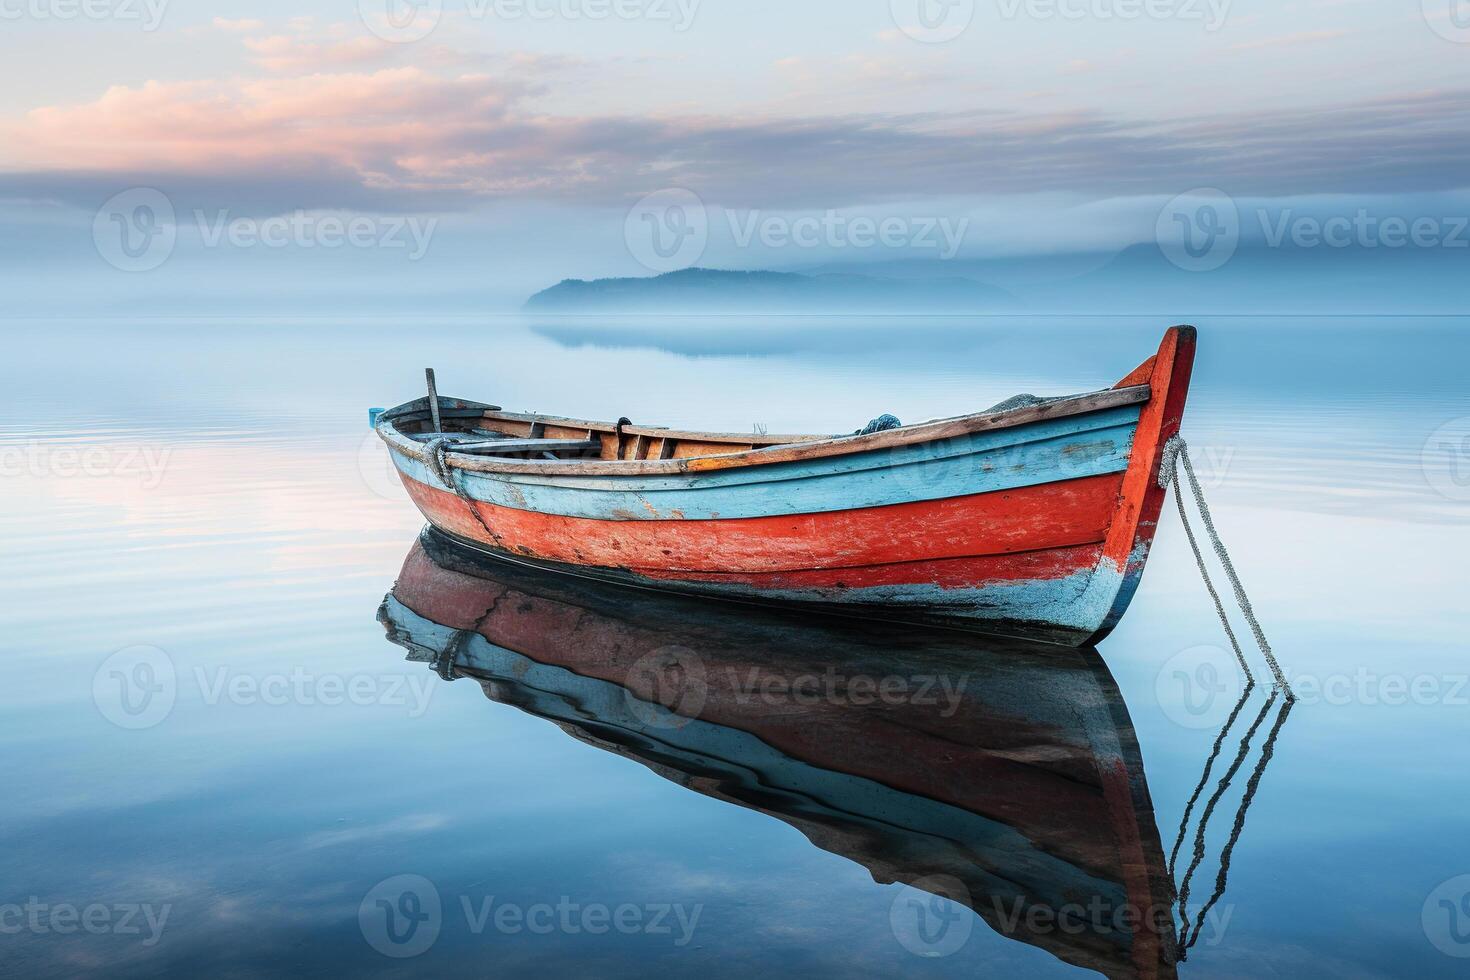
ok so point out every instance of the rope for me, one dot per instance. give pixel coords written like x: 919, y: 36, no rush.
x: 1268, y: 751
x: 446, y: 661
x: 436, y: 457
x: 1176, y: 452
x: 1199, y: 833
x: 1205, y: 776
x: 880, y: 424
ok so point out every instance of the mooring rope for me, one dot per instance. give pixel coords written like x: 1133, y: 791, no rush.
x: 1182, y: 897
x: 1176, y: 452
x: 436, y: 457
x: 1222, y: 877
x: 446, y: 661
x: 1205, y: 776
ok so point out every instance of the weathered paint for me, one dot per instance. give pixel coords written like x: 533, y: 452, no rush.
x: 1034, y: 519
x: 1063, y: 609
x: 982, y: 462
x: 1132, y: 534
x: 1045, y: 525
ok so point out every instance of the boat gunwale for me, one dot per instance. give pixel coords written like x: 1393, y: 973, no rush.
x: 786, y: 449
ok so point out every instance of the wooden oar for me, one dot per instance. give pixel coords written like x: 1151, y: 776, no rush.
x: 433, y: 400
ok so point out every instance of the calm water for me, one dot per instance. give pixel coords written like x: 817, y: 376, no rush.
x: 225, y: 741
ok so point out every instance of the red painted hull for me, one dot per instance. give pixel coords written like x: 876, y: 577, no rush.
x: 1053, y: 519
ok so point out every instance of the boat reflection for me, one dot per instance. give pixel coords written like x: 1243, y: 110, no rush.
x: 997, y: 774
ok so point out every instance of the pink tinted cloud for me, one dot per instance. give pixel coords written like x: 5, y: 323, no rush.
x: 405, y: 132
x: 361, y: 120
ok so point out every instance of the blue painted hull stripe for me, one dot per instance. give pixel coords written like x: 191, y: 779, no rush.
x: 1064, y: 449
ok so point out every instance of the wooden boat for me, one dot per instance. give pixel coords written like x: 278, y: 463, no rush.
x: 1019, y: 791
x: 1034, y: 518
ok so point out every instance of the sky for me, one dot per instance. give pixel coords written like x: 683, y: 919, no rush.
x: 462, y: 154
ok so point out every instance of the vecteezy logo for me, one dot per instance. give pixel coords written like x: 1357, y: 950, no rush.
x: 933, y: 21
x: 931, y: 917
x: 1198, y: 687
x: 401, y: 21
x: 667, y: 230
x: 668, y: 688
x: 1450, y: 19
x: 930, y: 470
x: 376, y: 468
x: 401, y: 917
x: 135, y: 688
x: 135, y: 230
x: 1446, y: 460
x: 1199, y: 230
x: 1446, y: 917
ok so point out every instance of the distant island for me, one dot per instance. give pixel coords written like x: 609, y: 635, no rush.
x: 1136, y: 280
x: 697, y: 291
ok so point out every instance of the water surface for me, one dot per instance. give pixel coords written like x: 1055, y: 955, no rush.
x: 202, y: 497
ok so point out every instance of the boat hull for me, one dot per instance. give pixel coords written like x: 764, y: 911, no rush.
x: 1040, y: 528
x: 944, y: 562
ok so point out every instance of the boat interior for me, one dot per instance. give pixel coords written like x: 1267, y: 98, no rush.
x: 473, y: 429
x: 488, y: 431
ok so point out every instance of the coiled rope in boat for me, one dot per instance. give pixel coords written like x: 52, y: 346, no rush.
x: 1176, y: 456
x: 436, y: 458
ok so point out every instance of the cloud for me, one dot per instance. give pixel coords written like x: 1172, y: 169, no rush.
x: 410, y: 134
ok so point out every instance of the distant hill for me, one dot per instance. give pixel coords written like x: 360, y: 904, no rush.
x: 1136, y: 279
x: 1257, y: 279
x: 697, y: 291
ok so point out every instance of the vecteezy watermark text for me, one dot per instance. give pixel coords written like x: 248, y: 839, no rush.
x: 1212, y: 14
x: 1363, y: 229
x: 304, y: 229
x: 37, y: 917
x: 403, y: 917
x: 407, y: 21
x: 938, y: 21
x: 1201, y: 230
x: 146, y: 464
x: 1100, y: 916
x: 137, y: 688
x: 138, y: 230
x: 860, y: 690
x: 1371, y: 688
x: 678, y: 14
x: 147, y: 13
x: 834, y: 230
x: 670, y: 230
x: 1199, y: 687
x: 670, y: 687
